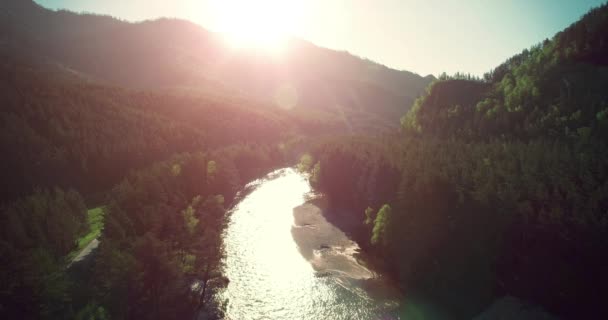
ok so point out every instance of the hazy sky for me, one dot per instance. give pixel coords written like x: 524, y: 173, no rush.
x: 423, y: 36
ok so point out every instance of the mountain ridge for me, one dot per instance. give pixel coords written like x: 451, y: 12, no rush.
x: 187, y: 55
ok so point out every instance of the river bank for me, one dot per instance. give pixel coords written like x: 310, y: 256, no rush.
x: 331, y: 253
x: 324, y: 238
x: 326, y: 247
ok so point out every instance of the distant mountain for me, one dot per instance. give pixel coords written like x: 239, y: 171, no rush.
x: 172, y: 54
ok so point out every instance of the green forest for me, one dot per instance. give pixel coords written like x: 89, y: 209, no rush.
x: 494, y: 185
x: 486, y: 186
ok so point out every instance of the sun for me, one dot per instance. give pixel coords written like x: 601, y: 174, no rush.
x: 261, y: 24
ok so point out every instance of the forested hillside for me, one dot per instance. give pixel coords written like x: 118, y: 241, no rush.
x: 172, y: 54
x: 89, y: 136
x: 494, y: 187
x: 555, y: 89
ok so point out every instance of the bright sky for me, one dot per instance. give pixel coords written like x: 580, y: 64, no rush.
x: 423, y: 36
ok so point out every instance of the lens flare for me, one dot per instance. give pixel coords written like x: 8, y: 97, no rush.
x: 286, y: 96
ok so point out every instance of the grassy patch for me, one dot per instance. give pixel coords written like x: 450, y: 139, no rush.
x: 95, y: 224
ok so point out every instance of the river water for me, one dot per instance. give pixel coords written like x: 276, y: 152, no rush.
x: 269, y: 278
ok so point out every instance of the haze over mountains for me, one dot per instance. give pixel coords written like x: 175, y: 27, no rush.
x: 174, y: 54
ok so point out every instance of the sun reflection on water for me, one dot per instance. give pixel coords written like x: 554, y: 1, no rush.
x: 269, y: 278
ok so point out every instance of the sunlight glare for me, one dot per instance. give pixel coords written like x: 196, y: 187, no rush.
x: 263, y: 24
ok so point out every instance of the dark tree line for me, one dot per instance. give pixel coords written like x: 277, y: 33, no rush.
x: 494, y: 187
x: 163, y: 233
x: 38, y: 231
x: 470, y: 221
x: 160, y: 253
